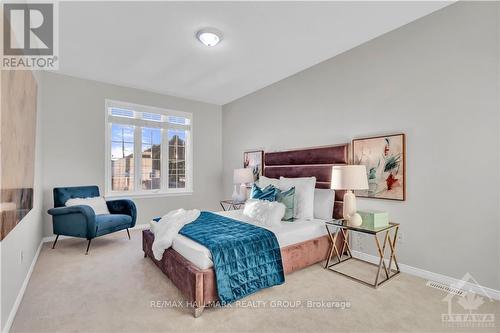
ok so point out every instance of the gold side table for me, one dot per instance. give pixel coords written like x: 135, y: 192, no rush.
x: 231, y: 205
x: 338, y: 257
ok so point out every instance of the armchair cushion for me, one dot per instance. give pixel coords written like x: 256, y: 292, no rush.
x: 107, y: 223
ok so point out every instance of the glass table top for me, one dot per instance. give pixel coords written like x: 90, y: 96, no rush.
x: 342, y: 223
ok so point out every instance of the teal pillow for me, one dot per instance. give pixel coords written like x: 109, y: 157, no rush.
x: 288, y: 199
x: 268, y: 193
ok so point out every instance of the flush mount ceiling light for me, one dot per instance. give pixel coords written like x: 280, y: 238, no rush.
x: 209, y: 36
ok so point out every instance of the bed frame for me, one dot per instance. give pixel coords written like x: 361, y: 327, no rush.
x: 199, y: 285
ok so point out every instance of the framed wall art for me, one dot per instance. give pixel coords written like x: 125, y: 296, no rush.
x: 254, y: 160
x: 385, y: 161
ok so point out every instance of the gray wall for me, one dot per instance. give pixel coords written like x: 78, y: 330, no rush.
x: 436, y: 80
x: 26, y: 236
x: 74, y: 146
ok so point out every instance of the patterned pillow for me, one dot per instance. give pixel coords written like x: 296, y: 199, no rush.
x: 268, y: 193
x: 288, y: 199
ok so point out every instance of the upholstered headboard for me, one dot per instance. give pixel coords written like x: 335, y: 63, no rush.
x: 309, y: 162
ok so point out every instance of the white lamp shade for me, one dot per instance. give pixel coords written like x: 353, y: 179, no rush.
x: 243, y: 176
x: 349, y: 177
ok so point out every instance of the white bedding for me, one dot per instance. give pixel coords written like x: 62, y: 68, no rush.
x: 287, y: 233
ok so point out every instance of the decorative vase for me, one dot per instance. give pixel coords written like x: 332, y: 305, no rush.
x: 349, y: 205
x: 242, y: 195
x: 235, y: 194
x: 355, y: 220
x: 349, y: 212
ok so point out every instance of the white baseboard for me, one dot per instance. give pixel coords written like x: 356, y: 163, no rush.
x: 53, y: 237
x: 141, y: 226
x: 20, y: 295
x: 478, y: 289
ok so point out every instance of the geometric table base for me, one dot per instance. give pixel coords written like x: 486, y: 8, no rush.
x: 339, y: 257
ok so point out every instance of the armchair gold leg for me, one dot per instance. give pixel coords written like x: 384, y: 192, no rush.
x: 128, y: 233
x: 88, y: 246
x: 54, y: 245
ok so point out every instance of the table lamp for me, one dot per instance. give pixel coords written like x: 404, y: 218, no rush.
x: 350, y: 177
x: 241, y: 177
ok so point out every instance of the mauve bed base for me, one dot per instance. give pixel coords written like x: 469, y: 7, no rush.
x: 199, y: 286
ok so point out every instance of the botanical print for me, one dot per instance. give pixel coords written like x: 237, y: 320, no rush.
x: 384, y: 158
x: 253, y: 159
x: 17, y: 147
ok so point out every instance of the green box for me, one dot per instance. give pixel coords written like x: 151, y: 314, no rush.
x: 374, y: 218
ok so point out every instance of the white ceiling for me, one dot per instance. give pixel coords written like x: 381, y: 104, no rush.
x: 152, y: 46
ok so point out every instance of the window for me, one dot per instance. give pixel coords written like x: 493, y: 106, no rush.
x: 149, y: 150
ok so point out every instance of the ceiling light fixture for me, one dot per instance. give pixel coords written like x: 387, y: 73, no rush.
x: 209, y: 36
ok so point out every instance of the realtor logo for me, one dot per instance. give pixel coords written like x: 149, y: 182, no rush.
x: 29, y: 36
x: 32, y: 25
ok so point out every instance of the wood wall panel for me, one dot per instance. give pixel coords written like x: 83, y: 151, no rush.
x: 18, y: 101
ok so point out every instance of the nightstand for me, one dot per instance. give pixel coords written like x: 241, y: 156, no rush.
x: 231, y: 205
x: 335, y: 227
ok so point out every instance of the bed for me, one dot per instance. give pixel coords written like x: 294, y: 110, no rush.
x: 302, y: 243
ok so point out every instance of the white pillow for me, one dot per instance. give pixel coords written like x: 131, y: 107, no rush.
x: 304, y: 194
x: 323, y: 203
x: 265, y: 212
x: 98, y: 204
x: 266, y: 181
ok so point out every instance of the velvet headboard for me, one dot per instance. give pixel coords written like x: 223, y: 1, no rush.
x: 309, y: 162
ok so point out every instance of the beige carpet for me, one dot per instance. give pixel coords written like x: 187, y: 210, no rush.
x: 112, y: 289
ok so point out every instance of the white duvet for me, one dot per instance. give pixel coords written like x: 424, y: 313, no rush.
x: 168, y: 228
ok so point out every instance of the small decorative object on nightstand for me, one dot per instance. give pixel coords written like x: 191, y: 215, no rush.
x: 241, y: 177
x: 231, y: 205
x: 337, y: 254
x: 374, y: 218
x: 350, y: 177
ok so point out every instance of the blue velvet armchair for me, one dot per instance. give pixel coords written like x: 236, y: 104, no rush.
x: 81, y: 221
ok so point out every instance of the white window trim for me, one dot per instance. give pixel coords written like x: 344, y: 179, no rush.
x: 138, y: 192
